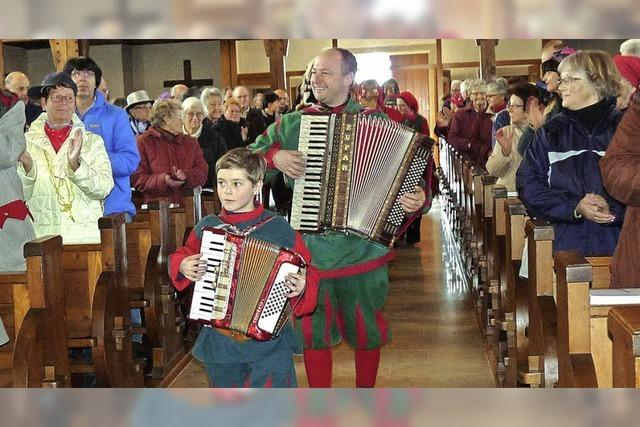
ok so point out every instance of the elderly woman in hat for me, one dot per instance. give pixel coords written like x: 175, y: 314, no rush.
x: 559, y: 178
x: 170, y: 160
x: 139, y: 107
x: 65, y: 170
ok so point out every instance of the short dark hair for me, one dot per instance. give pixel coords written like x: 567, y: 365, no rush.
x: 526, y: 90
x: 269, y: 97
x: 349, y: 63
x: 83, y: 63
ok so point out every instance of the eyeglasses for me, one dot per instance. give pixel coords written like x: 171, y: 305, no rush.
x: 515, y: 105
x: 59, y: 99
x: 492, y: 94
x: 82, y: 73
x: 567, y: 80
x: 142, y: 107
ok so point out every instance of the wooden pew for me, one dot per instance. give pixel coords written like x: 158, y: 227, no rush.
x: 516, y: 315
x: 95, y: 278
x: 210, y: 201
x: 151, y: 290
x: 497, y: 279
x: 32, y: 307
x: 624, y: 329
x: 585, y: 354
x: 542, y: 312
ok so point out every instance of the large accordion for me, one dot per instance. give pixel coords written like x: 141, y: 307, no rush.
x: 357, y: 168
x: 244, y: 287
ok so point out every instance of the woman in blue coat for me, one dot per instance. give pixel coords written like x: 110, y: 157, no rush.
x: 559, y: 178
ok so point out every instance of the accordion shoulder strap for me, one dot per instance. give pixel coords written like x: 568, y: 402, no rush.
x: 244, y: 231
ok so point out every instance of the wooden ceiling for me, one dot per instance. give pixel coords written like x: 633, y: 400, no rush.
x: 44, y: 43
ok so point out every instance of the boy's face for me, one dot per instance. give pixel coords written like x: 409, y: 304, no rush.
x: 236, y: 191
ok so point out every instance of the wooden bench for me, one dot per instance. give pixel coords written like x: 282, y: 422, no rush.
x: 516, y: 313
x: 624, y: 329
x: 150, y: 243
x: 32, y: 308
x: 97, y: 302
x: 541, y: 330
x: 585, y: 353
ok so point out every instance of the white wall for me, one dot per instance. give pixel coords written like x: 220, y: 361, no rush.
x: 15, y: 59
x: 39, y: 64
x: 109, y: 59
x: 153, y: 64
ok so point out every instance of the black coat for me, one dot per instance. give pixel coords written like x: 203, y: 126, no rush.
x: 213, y: 147
x: 230, y: 131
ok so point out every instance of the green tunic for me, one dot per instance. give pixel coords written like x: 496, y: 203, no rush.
x: 350, y: 303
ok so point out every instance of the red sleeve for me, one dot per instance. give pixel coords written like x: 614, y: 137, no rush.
x: 393, y: 114
x: 143, y: 178
x: 306, y: 303
x: 197, y: 175
x: 268, y: 156
x: 192, y: 247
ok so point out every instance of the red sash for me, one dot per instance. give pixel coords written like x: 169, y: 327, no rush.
x: 15, y: 210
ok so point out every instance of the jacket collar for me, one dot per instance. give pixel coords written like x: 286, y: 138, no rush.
x: 37, y: 136
x: 236, y: 218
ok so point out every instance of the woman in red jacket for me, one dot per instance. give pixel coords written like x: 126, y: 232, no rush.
x: 170, y: 161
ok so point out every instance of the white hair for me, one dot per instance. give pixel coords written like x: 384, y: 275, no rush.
x: 208, y: 92
x: 630, y: 48
x: 456, y: 83
x: 191, y: 102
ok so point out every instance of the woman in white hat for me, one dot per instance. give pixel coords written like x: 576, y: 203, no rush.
x: 139, y: 108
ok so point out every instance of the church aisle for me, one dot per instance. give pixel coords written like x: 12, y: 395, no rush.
x: 435, y: 336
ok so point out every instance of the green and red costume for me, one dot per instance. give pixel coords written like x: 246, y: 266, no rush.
x: 353, y: 272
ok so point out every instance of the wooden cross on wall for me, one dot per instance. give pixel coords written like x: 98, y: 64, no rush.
x: 188, y: 81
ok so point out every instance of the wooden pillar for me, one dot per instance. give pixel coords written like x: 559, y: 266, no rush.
x: 433, y: 95
x: 334, y: 43
x: 276, y: 50
x: 487, y: 58
x: 229, y: 63
x: 62, y: 50
x: 1, y: 64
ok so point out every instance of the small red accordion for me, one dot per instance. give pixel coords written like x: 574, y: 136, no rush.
x: 243, y: 289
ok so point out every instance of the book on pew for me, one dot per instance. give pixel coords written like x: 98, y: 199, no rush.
x: 628, y: 296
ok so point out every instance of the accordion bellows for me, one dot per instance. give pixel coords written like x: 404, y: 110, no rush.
x: 357, y: 168
x: 243, y: 289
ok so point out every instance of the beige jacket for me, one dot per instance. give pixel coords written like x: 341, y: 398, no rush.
x: 505, y: 167
x: 62, y: 201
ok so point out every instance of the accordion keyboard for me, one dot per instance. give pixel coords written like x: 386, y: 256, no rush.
x: 208, y: 301
x: 305, y: 210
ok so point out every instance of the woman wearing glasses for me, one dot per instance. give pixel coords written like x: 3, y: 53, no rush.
x: 559, y: 178
x: 170, y: 161
x: 65, y: 170
x: 211, y: 142
x: 505, y: 158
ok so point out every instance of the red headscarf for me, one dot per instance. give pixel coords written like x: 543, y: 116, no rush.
x: 629, y: 67
x: 410, y: 100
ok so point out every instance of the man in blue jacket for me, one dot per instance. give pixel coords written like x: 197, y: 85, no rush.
x: 112, y: 124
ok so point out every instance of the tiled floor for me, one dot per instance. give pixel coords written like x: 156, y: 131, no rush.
x: 436, y: 340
